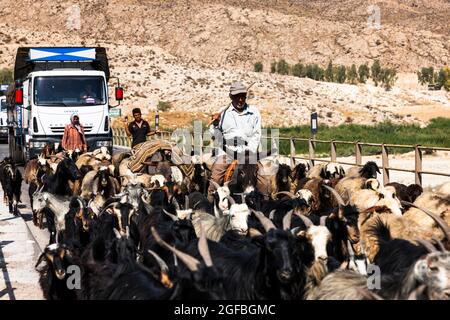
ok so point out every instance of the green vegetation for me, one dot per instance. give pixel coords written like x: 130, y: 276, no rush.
x: 440, y: 79
x: 164, y: 105
x: 6, y: 76
x: 363, y: 73
x: 258, y: 67
x: 338, y: 73
x: 352, y: 74
x: 435, y: 134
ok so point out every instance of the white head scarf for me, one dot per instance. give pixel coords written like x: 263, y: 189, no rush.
x: 78, y: 127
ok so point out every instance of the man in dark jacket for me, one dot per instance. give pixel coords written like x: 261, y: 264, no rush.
x: 139, y: 129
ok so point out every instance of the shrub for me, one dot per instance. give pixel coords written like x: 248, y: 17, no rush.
x: 298, y: 70
x: 341, y: 74
x: 273, y: 67
x: 329, y: 76
x: 258, y: 67
x: 363, y: 73
x: 426, y: 75
x: 282, y: 67
x: 388, y: 78
x: 6, y: 76
x: 164, y: 105
x: 352, y: 75
x: 376, y: 72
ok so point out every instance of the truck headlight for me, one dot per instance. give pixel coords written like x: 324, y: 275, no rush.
x: 106, y: 143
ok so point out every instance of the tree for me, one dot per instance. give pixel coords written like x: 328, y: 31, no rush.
x: 273, y: 67
x: 6, y: 76
x: 164, y: 105
x: 443, y: 78
x: 282, y: 67
x: 352, y: 75
x: 341, y: 74
x: 388, y: 78
x: 376, y: 72
x: 258, y: 67
x: 329, y: 72
x: 298, y: 70
x: 363, y: 73
x: 426, y: 75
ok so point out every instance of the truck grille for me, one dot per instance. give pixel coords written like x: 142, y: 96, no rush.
x: 61, y: 129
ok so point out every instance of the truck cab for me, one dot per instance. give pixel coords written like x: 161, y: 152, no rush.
x: 52, y: 84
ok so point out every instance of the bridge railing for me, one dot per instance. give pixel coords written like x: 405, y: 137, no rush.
x: 200, y: 147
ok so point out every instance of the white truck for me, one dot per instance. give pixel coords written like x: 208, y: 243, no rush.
x: 51, y: 84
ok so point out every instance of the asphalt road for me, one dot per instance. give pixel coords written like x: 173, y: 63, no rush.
x: 21, y: 244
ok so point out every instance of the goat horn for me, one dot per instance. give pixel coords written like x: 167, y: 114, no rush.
x: 288, y: 193
x: 351, y: 253
x: 336, y: 195
x: 272, y: 213
x: 427, y: 244
x: 162, y: 264
x: 186, y: 202
x: 175, y: 203
x: 415, y: 292
x: 441, y: 223
x: 254, y: 232
x: 80, y: 202
x: 308, y: 223
x: 203, y: 248
x: 231, y: 200
x: 323, y: 219
x: 215, y: 184
x: 295, y: 231
x: 440, y: 244
x: 117, y: 233
x: 266, y: 222
x: 190, y: 262
x: 41, y: 258
x: 287, y: 220
x: 172, y: 216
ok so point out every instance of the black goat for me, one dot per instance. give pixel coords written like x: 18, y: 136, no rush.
x: 57, y: 183
x: 369, y: 170
x: 53, y: 276
x: 406, y: 193
x: 11, y: 180
x: 281, y: 181
x: 274, y: 269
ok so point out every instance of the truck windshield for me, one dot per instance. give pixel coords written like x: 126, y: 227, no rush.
x: 69, y: 91
x: 3, y: 104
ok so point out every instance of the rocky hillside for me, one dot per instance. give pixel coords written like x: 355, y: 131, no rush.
x: 187, y: 52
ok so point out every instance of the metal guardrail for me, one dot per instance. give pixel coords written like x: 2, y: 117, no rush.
x: 120, y: 138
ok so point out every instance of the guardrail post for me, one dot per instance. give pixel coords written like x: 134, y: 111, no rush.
x: 292, y: 151
x: 358, y: 153
x: 333, y: 151
x: 418, y: 165
x: 312, y: 151
x: 385, y: 163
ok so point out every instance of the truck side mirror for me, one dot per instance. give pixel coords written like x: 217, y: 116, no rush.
x: 19, y: 96
x: 119, y: 93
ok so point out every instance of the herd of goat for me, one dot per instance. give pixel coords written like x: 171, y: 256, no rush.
x: 155, y: 235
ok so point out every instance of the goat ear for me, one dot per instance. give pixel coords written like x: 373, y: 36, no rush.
x: 45, y: 196
x: 111, y: 169
x: 301, y: 233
